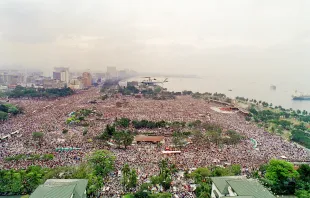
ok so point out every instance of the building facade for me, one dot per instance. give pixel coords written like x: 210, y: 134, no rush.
x: 62, y: 74
x: 87, y: 79
x: 111, y: 72
x: 76, y: 83
x: 53, y: 84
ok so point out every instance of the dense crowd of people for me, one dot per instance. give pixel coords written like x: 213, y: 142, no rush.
x: 49, y: 117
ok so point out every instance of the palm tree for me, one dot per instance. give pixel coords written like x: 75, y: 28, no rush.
x: 125, y: 174
x: 304, y: 112
x: 163, y: 164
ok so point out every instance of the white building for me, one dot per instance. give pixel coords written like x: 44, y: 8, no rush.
x: 76, y: 83
x: 239, y: 187
x: 122, y: 84
x: 62, y: 74
x: 3, y: 88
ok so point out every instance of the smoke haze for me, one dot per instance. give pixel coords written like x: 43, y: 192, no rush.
x: 171, y: 36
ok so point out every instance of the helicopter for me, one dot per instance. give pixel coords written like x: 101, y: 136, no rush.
x: 152, y: 81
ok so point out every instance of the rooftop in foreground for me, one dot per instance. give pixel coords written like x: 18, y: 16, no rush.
x: 238, y: 186
x: 64, y: 188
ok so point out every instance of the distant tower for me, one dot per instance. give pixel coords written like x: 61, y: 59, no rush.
x: 112, y: 72
x: 87, y: 79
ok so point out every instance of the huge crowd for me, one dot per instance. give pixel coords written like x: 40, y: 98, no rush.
x: 49, y: 117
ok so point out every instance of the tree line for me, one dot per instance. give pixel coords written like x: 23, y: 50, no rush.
x: 30, y: 92
x: 280, y: 176
x: 30, y: 157
x: 19, y: 182
x: 140, y: 124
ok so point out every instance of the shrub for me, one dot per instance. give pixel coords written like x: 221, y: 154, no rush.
x: 123, y: 122
x: 37, y: 135
x: 85, y: 130
x: 3, y: 115
x: 64, y: 131
x: 48, y: 157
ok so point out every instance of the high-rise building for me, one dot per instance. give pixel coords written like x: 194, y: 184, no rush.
x: 87, y: 79
x: 112, y: 72
x: 62, y: 74
x: 56, y: 75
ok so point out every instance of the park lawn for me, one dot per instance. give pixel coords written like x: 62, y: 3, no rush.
x: 286, y: 135
x: 292, y: 120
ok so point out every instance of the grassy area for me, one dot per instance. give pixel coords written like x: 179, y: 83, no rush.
x: 289, y: 124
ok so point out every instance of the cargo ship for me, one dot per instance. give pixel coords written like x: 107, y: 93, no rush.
x: 300, y: 96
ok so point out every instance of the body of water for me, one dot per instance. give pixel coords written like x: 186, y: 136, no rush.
x: 246, y: 86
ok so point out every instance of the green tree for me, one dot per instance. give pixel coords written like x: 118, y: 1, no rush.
x: 304, y: 112
x: 3, y: 116
x: 125, y: 175
x: 12, y: 109
x: 102, y: 161
x: 163, y: 165
x: 201, y: 174
x: 235, y: 169
x: 199, y: 138
x: 178, y: 139
x: 4, y: 108
x: 161, y: 195
x: 214, y: 136
x: 123, y: 122
x: 127, y: 138
x: 94, y: 184
x: 220, y: 171
x: 281, y: 176
x: 110, y: 129
x: 81, y: 171
x: 33, y: 178
x: 303, y: 182
x: 155, y: 180
x: 303, y: 193
x: 304, y: 172
x: 133, y: 179
x: 38, y: 137
x: 203, y: 190
x: 118, y: 138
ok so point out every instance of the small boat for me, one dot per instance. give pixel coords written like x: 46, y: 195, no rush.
x: 229, y: 89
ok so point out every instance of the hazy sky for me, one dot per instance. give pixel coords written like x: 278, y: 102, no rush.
x: 196, y: 36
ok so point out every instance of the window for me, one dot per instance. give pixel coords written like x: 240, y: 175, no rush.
x: 216, y: 194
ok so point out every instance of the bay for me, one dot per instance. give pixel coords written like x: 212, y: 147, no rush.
x: 245, y: 86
